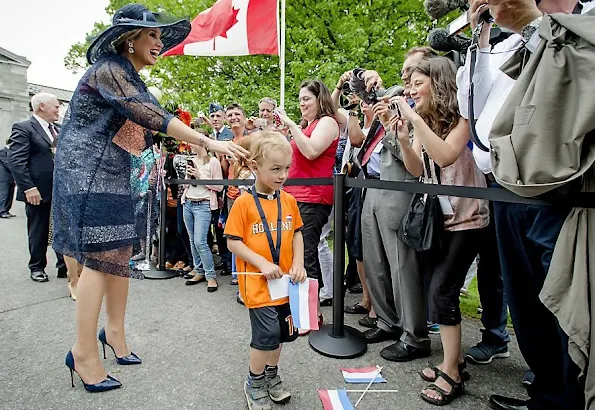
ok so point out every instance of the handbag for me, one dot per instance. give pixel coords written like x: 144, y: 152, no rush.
x: 422, y: 224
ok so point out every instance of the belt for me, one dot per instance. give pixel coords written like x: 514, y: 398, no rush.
x: 371, y: 176
x: 197, y: 200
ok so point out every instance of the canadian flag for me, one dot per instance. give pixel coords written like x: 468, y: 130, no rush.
x: 233, y: 28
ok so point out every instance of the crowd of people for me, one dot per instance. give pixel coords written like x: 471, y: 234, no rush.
x: 419, y: 132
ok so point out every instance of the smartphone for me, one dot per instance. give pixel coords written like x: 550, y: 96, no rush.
x: 190, y: 163
x: 394, y: 110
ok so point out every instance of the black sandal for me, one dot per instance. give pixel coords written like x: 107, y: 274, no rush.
x: 445, y: 397
x: 356, y: 309
x: 465, y: 376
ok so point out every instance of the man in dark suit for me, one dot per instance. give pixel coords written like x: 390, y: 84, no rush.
x: 6, y: 185
x: 31, y: 157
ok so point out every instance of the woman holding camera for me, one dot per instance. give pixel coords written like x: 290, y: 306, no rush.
x: 314, y: 143
x: 439, y: 152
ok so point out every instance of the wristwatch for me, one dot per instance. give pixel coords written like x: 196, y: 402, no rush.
x: 353, y: 113
x: 528, y: 31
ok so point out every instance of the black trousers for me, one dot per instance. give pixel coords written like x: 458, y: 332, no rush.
x: 221, y: 241
x: 314, y: 216
x: 491, y: 288
x: 38, y: 229
x: 527, y: 236
x: 6, y: 196
x: 447, y: 272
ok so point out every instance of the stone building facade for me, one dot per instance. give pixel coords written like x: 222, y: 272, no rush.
x: 14, y: 94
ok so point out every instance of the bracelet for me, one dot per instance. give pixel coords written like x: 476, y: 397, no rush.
x: 353, y: 113
x: 339, y: 88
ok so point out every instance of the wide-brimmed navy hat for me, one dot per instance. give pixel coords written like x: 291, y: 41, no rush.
x: 132, y: 17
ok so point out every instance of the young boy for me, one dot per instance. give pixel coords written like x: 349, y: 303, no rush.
x: 263, y: 231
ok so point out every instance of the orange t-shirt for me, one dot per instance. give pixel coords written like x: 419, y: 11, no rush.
x: 233, y: 192
x: 244, y: 223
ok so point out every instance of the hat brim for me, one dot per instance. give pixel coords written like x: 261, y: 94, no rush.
x: 172, y: 34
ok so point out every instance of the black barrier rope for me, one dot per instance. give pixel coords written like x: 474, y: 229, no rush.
x: 578, y: 200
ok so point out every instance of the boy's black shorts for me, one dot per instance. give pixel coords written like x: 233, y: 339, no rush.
x: 271, y: 326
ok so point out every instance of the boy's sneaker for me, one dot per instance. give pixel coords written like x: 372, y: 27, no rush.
x: 276, y: 391
x: 257, y: 395
x: 483, y: 353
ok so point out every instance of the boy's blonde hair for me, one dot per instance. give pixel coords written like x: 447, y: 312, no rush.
x: 267, y: 141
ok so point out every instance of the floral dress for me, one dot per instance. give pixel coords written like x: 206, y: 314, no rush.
x: 109, y: 121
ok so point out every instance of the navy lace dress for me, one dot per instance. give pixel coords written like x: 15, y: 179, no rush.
x: 109, y: 120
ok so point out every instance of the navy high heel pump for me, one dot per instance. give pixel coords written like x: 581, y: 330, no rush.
x: 109, y: 383
x: 132, y: 358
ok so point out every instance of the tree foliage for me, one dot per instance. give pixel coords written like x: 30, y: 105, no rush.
x: 323, y: 40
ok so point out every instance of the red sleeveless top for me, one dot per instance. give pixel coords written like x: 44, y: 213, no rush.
x: 321, y: 167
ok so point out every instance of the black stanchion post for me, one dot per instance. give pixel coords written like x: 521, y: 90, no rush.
x: 161, y: 272
x: 339, y: 256
x: 162, y: 228
x: 337, y: 340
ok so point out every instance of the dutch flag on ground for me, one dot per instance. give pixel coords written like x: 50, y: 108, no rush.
x: 362, y: 375
x: 303, y: 302
x: 335, y: 400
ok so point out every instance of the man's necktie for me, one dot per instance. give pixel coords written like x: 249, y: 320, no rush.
x: 54, y: 137
x: 217, y: 135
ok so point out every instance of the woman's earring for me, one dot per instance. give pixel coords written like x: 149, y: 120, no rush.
x: 131, y: 47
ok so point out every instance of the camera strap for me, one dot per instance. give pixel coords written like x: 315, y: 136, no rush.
x: 474, y: 50
x: 374, y: 127
x: 275, y: 250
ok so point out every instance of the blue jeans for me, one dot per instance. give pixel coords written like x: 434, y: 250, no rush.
x: 197, y: 217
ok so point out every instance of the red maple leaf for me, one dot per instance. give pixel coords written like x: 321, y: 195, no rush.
x: 214, y: 22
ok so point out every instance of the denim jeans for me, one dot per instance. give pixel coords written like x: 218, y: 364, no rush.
x: 197, y: 217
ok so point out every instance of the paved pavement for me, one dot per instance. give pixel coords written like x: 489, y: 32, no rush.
x: 193, y: 344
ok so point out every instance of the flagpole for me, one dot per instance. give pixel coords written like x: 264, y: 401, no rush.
x: 282, y: 54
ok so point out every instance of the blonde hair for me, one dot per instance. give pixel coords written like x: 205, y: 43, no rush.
x: 119, y: 44
x: 242, y: 163
x: 267, y: 141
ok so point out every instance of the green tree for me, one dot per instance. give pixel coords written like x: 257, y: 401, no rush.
x: 323, y: 40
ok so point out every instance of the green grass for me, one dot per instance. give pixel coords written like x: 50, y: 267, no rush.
x: 469, y: 304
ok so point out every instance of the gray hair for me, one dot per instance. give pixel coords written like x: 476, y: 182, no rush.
x: 41, y: 98
x: 268, y: 100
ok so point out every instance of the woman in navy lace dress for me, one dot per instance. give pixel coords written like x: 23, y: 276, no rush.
x: 112, y: 116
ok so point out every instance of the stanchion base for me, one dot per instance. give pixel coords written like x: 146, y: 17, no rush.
x: 351, y: 345
x: 160, y: 274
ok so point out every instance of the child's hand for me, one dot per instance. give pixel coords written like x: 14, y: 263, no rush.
x: 298, y: 273
x: 271, y: 271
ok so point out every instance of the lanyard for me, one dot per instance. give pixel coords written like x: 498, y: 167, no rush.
x: 275, y: 251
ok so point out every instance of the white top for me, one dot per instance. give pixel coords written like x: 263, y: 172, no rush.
x: 45, y: 125
x: 492, y: 87
x: 200, y: 192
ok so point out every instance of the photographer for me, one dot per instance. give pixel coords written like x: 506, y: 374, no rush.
x: 394, y: 279
x: 355, y: 138
x: 440, y: 154
x: 526, y: 234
